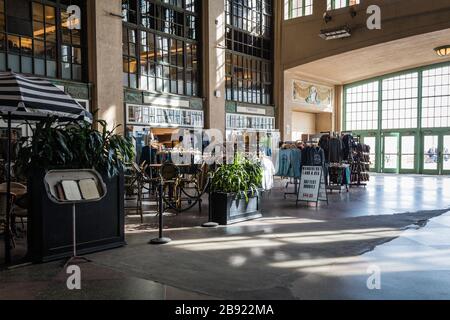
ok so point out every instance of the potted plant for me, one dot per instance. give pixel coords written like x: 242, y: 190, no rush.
x: 235, y: 191
x: 100, y: 225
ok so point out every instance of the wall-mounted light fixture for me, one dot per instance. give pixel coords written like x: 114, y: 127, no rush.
x: 443, y: 51
x: 336, y: 33
x: 112, y: 14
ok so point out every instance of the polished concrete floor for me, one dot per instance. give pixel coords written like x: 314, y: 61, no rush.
x: 397, y: 225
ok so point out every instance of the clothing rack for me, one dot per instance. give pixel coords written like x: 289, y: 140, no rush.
x: 338, y: 170
x: 361, y: 167
x: 296, y: 183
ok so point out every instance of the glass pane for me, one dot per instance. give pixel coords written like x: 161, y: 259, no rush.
x: 390, y: 152
x: 38, y: 12
x: 446, y: 149
x: 2, y: 61
x: 14, y: 62
x: 49, y: 14
x: 39, y: 66
x: 13, y: 44
x: 26, y: 45
x: 51, y: 69
x: 66, y: 71
x: 77, y: 72
x: 430, y: 153
x: 390, y: 161
x: 27, y: 65
x: 391, y: 145
x: 408, y: 153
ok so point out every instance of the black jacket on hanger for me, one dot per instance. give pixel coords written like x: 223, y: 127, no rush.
x: 336, y: 150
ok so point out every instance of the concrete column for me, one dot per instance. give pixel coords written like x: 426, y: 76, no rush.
x: 105, y: 60
x: 214, y: 63
x: 337, y: 114
x: 278, y: 72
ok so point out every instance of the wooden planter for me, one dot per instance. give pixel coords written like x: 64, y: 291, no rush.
x: 100, y: 225
x: 228, y: 209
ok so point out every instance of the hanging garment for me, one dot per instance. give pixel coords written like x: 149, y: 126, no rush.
x: 324, y: 143
x: 268, y: 173
x: 284, y: 162
x: 348, y: 145
x: 318, y: 156
x: 313, y: 156
x: 289, y: 163
x: 296, y: 163
x: 307, y: 156
x: 335, y: 151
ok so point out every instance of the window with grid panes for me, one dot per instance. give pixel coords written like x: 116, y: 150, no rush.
x: 35, y: 39
x: 436, y: 97
x: 337, y: 4
x: 362, y: 107
x: 129, y: 58
x: 249, y: 51
x: 167, y: 53
x: 400, y: 101
x: 297, y: 8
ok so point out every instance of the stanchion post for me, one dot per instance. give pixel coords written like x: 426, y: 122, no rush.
x: 210, y: 223
x: 161, y: 239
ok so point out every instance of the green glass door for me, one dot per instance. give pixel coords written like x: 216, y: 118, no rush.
x: 408, y: 158
x: 436, y: 153
x: 446, y: 154
x: 391, y: 153
x: 431, y: 154
x: 372, y: 141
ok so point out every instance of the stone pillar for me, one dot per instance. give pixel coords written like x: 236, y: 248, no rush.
x: 214, y: 63
x: 278, y: 71
x: 338, y: 107
x: 105, y: 60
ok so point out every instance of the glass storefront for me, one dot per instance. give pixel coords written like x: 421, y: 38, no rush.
x: 406, y: 116
x: 43, y: 38
x: 160, y: 46
x: 249, y: 60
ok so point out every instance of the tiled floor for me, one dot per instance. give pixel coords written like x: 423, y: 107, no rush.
x: 416, y: 265
x: 293, y: 253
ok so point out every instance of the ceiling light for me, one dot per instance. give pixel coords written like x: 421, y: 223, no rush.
x: 443, y: 51
x: 336, y: 33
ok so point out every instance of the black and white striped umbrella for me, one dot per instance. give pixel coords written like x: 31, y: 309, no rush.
x: 30, y: 97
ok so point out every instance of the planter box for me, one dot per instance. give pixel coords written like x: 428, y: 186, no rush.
x: 100, y: 225
x: 226, y: 209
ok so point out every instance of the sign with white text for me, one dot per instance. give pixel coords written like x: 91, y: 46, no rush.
x: 310, y: 183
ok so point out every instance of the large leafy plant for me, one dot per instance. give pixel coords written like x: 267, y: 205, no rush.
x: 241, y: 177
x: 74, y: 146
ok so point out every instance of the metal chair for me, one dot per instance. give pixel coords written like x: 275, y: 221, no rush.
x: 20, y: 203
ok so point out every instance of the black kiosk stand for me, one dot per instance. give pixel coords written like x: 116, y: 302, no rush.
x: 55, y: 177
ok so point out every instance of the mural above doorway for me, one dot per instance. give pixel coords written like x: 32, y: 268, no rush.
x: 310, y: 94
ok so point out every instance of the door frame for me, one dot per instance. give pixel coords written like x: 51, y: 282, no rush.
x: 384, y: 135
x: 439, y: 133
x: 443, y: 171
x: 417, y: 152
x: 377, y: 151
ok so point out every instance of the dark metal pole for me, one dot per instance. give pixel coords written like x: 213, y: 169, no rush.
x: 210, y: 223
x: 161, y: 239
x: 8, y: 198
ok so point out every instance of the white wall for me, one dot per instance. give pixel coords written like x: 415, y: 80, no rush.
x: 302, y: 123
